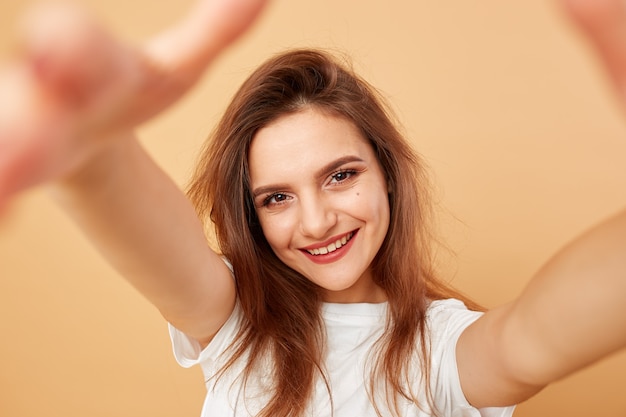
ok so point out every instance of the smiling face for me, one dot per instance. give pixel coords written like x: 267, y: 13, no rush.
x: 321, y: 199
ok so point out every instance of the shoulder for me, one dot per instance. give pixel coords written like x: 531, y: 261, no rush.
x: 446, y: 320
x: 449, y: 313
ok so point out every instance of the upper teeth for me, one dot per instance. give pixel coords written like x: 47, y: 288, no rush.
x: 332, y: 247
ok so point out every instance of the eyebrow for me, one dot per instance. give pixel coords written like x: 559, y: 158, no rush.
x: 322, y: 172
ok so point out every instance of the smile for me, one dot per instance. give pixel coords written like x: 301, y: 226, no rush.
x: 332, y: 247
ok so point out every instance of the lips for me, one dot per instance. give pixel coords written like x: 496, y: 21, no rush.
x: 333, y: 246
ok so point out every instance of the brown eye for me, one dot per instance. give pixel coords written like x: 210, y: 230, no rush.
x: 342, y: 176
x: 275, y: 198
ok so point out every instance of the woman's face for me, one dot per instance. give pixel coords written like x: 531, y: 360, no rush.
x: 321, y: 199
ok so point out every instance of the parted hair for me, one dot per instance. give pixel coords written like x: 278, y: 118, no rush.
x: 281, y: 308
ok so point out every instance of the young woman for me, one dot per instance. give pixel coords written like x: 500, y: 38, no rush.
x: 322, y: 300
x: 323, y: 204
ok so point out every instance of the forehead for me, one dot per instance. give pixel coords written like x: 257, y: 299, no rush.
x: 304, y: 140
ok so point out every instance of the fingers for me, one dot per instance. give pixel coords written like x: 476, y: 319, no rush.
x: 64, y: 87
x: 604, y: 23
x: 209, y: 27
x: 86, y: 65
x: 31, y: 123
x: 61, y: 44
x: 77, y: 84
x: 119, y: 86
x: 174, y: 60
x: 70, y: 53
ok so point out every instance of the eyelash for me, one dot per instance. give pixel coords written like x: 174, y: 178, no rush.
x: 268, y: 200
x: 348, y: 172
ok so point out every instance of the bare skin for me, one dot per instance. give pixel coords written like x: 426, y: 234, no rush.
x: 602, y: 22
x: 546, y: 334
x: 60, y: 101
x: 67, y: 120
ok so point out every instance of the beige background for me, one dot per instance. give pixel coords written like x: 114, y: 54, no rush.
x: 502, y: 97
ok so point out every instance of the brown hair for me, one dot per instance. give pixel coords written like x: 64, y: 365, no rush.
x: 281, y: 307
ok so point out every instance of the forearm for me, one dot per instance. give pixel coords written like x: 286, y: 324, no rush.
x: 147, y: 229
x: 571, y: 314
x: 574, y: 311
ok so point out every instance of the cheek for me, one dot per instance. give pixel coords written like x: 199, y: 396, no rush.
x: 379, y: 214
x: 372, y: 205
x: 277, y: 231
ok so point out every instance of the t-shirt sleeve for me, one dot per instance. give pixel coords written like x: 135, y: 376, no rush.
x: 188, y: 351
x: 447, y: 319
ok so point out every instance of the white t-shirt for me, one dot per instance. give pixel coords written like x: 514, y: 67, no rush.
x: 352, y: 329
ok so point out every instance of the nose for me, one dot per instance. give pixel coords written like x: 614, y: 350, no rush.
x: 317, y: 216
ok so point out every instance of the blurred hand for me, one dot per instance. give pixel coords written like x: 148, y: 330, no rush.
x: 75, y: 87
x: 604, y: 23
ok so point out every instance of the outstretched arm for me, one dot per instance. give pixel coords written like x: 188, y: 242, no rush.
x: 60, y: 100
x: 570, y: 315
x: 573, y: 312
x: 66, y: 116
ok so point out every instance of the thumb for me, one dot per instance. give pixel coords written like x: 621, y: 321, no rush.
x: 604, y: 23
x: 209, y: 27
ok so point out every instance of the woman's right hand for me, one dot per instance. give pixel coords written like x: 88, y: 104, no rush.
x: 75, y: 87
x: 603, y: 23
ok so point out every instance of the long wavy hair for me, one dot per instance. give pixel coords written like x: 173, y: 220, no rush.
x: 281, y: 308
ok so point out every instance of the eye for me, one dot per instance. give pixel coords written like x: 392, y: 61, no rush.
x: 276, y: 198
x: 341, y: 176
